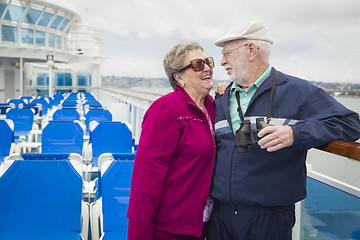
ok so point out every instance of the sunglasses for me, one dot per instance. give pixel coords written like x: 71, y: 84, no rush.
x: 199, y: 64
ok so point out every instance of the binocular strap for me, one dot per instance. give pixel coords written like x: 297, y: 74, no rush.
x: 273, y: 90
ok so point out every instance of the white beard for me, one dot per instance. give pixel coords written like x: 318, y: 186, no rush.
x: 239, y: 72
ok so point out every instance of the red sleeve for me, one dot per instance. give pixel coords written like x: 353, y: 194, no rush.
x: 159, y: 137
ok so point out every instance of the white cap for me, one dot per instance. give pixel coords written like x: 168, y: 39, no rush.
x: 247, y: 30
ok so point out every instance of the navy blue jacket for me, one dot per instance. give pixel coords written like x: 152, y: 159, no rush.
x: 260, y: 178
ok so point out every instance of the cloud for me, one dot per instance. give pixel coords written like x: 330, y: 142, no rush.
x: 316, y: 40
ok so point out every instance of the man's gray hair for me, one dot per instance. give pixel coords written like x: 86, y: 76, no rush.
x: 264, y: 49
x: 174, y: 59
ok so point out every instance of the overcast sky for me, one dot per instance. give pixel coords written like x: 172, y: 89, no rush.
x: 318, y: 40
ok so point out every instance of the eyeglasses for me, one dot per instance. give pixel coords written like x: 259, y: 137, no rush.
x: 199, y: 64
x: 226, y: 52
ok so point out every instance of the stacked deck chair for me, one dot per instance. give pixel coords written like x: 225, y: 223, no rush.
x: 108, y: 214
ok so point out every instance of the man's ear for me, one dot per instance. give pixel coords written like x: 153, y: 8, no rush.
x: 253, y: 50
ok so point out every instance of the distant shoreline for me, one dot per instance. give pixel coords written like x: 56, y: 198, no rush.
x: 335, y: 89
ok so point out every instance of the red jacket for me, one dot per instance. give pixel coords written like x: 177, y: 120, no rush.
x: 173, y: 168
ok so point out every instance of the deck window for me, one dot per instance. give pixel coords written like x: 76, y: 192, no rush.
x: 40, y: 38
x: 84, y: 79
x: 9, y: 34
x: 51, y: 37
x: 64, y: 24
x: 14, y: 13
x: 63, y: 79
x: 27, y: 36
x: 56, y: 22
x: 42, y: 79
x: 2, y: 8
x: 32, y: 16
x: 45, y: 19
x: 58, y: 42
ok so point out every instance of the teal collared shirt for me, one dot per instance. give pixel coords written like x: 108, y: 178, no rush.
x: 245, y: 97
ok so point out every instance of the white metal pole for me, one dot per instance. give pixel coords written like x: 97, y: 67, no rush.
x: 21, y: 77
x: 50, y: 63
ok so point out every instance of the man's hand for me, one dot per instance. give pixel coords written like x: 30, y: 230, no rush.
x: 276, y: 137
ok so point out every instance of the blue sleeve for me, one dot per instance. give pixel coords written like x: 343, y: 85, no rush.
x: 323, y: 120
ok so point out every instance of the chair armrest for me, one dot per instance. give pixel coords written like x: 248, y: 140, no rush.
x: 85, y: 214
x: 87, y: 152
x: 96, y: 219
x: 23, y: 145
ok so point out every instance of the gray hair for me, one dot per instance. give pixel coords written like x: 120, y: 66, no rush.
x: 174, y: 59
x: 264, y: 49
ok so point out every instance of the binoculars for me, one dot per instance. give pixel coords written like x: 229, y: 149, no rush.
x: 246, y: 136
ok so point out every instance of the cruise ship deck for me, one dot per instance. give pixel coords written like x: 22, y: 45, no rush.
x: 67, y: 144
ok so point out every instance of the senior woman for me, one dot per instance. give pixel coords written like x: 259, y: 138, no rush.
x: 175, y: 157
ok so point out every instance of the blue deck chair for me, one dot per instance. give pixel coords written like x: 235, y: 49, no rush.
x: 66, y: 114
x: 109, y: 137
x: 105, y: 157
x: 16, y: 102
x: 49, y: 100
x: 4, y: 107
x: 58, y: 97
x: 6, y: 138
x: 44, y: 105
x: 70, y: 103
x: 41, y: 200
x: 71, y: 100
x: 92, y: 103
x: 50, y: 156
x: 27, y: 99
x: 113, y: 205
x: 37, y: 107
x: 62, y: 137
x: 23, y: 121
x: 99, y: 115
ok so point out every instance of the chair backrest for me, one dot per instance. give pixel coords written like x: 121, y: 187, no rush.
x: 57, y: 98
x: 110, y: 137
x: 23, y: 120
x: 115, y: 191
x: 27, y: 98
x: 71, y: 100
x: 62, y: 137
x: 98, y: 115
x: 44, y: 104
x: 16, y: 102
x: 40, y: 199
x: 6, y: 138
x: 36, y: 107
x: 92, y: 103
x: 66, y: 114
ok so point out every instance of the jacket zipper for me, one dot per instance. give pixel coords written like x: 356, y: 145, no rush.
x: 230, y: 198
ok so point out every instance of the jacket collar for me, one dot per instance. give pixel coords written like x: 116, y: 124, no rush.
x: 267, y: 84
x: 207, y: 102
x: 189, y: 100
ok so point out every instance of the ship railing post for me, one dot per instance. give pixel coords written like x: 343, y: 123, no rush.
x: 296, y: 228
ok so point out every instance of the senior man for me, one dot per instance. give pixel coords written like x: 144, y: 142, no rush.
x: 265, y: 123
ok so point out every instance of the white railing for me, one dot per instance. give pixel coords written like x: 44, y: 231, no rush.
x: 126, y: 105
